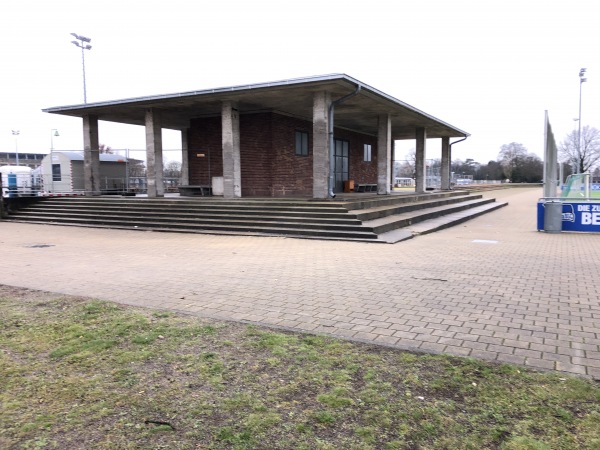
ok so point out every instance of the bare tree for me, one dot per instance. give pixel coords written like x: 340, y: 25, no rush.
x: 509, y: 156
x: 105, y: 149
x: 406, y: 167
x: 468, y: 167
x: 136, y: 168
x: 411, y: 157
x: 585, y: 155
x: 172, y: 169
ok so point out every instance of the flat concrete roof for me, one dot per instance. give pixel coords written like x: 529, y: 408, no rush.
x: 293, y: 97
x: 104, y: 157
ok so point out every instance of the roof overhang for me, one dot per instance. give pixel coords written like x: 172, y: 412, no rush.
x: 293, y: 97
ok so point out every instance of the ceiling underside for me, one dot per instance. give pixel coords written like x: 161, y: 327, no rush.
x: 359, y: 113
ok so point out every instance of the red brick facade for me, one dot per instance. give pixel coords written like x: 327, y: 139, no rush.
x: 269, y: 165
x: 359, y: 170
x: 205, y: 150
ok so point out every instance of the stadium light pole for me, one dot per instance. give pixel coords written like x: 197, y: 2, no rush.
x: 581, y: 81
x: 53, y: 132
x: 16, y: 135
x: 83, y: 43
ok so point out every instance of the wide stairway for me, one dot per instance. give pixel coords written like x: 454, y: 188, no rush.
x: 361, y: 217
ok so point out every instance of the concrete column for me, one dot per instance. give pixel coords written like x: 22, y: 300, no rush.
x: 446, y: 161
x: 154, y: 156
x: 91, y: 156
x: 320, y: 145
x: 384, y: 153
x: 393, y: 165
x: 232, y: 172
x: 185, y: 162
x: 420, y: 163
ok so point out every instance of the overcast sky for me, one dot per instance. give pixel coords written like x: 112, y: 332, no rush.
x: 490, y: 68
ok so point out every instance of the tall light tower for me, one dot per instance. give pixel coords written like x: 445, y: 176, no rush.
x: 581, y: 81
x: 16, y: 135
x: 53, y: 132
x: 83, y: 43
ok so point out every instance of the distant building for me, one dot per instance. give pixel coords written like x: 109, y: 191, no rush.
x: 31, y: 160
x: 64, y: 172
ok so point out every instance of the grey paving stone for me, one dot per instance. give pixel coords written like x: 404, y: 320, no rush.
x: 509, y: 302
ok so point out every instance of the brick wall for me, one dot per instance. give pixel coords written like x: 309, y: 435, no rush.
x: 256, y: 154
x: 270, y: 167
x: 359, y: 170
x: 204, y: 138
x: 292, y: 175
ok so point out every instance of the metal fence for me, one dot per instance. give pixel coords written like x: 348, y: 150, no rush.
x: 44, y: 184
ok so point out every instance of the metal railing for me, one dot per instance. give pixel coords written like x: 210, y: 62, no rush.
x: 26, y: 185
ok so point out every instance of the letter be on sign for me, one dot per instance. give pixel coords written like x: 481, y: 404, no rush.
x: 590, y: 218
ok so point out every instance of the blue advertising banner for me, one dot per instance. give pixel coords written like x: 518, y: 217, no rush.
x: 584, y: 216
x: 593, y: 187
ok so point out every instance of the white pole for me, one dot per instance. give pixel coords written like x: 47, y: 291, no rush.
x: 587, y: 186
x: 53, y: 132
x: 51, y: 160
x: 16, y: 135
x: 581, y: 81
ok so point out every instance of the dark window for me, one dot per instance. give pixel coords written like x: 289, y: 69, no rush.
x: 56, y: 172
x: 301, y: 143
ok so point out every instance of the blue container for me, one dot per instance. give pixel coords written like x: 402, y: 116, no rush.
x: 12, y: 184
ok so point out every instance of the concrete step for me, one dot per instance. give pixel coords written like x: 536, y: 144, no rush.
x: 339, y: 204
x: 135, y: 221
x: 143, y: 205
x: 389, y: 223
x: 438, y: 223
x: 400, y: 208
x: 377, y: 201
x: 297, y: 230
x: 368, y: 219
x: 199, y: 216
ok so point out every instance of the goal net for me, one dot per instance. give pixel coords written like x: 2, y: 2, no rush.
x: 576, y: 186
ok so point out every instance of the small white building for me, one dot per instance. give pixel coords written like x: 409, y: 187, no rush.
x: 63, y: 172
x: 16, y: 180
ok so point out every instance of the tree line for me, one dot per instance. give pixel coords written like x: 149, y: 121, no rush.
x: 517, y: 165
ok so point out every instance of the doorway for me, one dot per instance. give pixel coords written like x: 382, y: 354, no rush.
x: 340, y: 154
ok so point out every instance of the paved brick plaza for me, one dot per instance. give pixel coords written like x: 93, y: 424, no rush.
x: 492, y: 288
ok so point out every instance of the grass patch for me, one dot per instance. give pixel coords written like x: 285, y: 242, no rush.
x: 83, y: 374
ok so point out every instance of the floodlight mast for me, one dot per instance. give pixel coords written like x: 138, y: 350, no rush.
x: 80, y: 43
x: 581, y: 81
x: 53, y: 132
x: 16, y: 135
